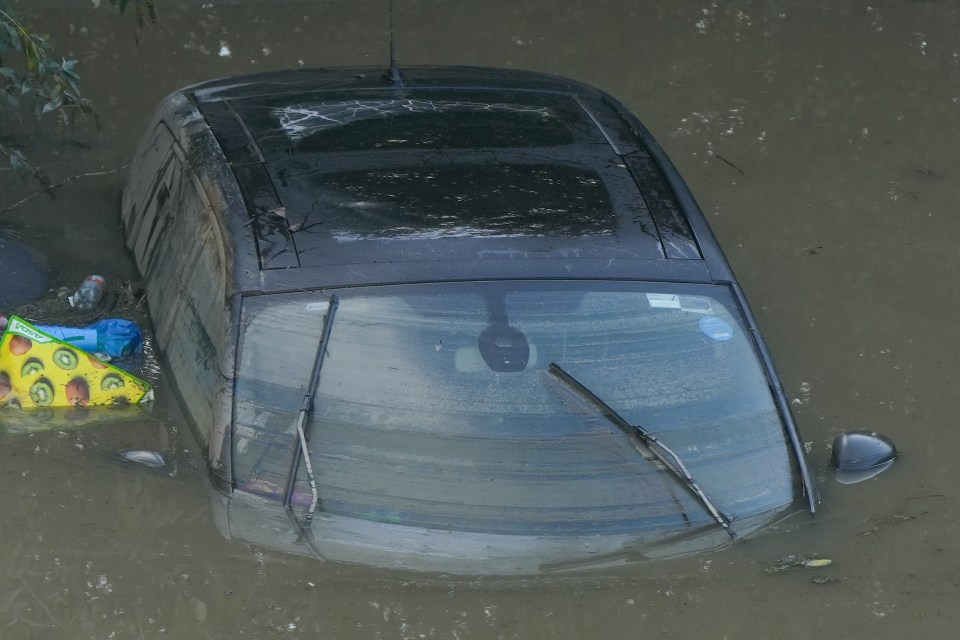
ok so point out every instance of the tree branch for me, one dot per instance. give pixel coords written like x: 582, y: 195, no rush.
x: 50, y: 189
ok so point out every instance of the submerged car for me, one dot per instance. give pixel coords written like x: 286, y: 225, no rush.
x: 459, y: 319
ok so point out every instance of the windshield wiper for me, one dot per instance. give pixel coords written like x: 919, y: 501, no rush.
x: 306, y: 407
x: 662, y: 452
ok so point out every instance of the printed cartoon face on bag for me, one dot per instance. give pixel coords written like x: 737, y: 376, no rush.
x: 37, y: 370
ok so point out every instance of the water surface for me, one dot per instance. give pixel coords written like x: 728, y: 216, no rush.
x: 819, y: 140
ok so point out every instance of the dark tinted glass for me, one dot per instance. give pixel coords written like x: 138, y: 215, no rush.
x: 440, y: 127
x: 460, y: 120
x: 464, y: 200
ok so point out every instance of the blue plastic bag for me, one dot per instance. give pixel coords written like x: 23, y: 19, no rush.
x: 117, y: 338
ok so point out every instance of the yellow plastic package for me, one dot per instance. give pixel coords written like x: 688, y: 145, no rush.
x: 37, y: 370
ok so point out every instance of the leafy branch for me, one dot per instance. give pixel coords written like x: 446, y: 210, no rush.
x: 42, y: 86
x: 22, y: 167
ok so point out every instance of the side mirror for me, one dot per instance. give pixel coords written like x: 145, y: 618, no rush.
x: 860, y: 455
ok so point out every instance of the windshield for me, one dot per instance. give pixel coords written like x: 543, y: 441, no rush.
x: 435, y: 407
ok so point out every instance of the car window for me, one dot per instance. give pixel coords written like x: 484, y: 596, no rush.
x: 410, y: 124
x: 278, y: 338
x: 422, y: 202
x: 435, y: 407
x: 429, y: 120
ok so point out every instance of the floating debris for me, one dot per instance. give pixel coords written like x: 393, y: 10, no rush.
x: 791, y: 562
x: 145, y: 457
x: 819, y: 562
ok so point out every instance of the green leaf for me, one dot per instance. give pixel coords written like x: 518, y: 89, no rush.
x: 32, y: 54
x: 53, y: 105
x: 11, y: 32
x: 46, y: 67
x: 71, y: 79
x: 20, y: 165
x: 10, y: 74
x: 10, y: 101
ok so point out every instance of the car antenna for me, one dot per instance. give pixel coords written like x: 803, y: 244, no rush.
x: 392, y: 76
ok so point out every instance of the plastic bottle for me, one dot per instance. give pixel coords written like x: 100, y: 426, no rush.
x: 89, y: 294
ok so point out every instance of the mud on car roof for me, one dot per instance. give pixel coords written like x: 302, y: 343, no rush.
x: 473, y: 323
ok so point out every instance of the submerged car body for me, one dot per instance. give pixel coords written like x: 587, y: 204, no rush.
x: 471, y: 322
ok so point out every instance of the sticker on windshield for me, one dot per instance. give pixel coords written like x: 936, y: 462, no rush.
x: 716, y: 328
x: 663, y: 301
x: 695, y: 304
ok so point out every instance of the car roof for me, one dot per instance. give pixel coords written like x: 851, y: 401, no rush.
x: 460, y: 173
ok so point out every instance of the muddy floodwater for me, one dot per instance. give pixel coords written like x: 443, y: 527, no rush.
x: 820, y: 138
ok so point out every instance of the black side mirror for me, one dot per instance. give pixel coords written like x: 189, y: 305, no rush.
x: 860, y: 455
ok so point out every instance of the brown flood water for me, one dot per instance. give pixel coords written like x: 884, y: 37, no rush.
x: 819, y: 138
